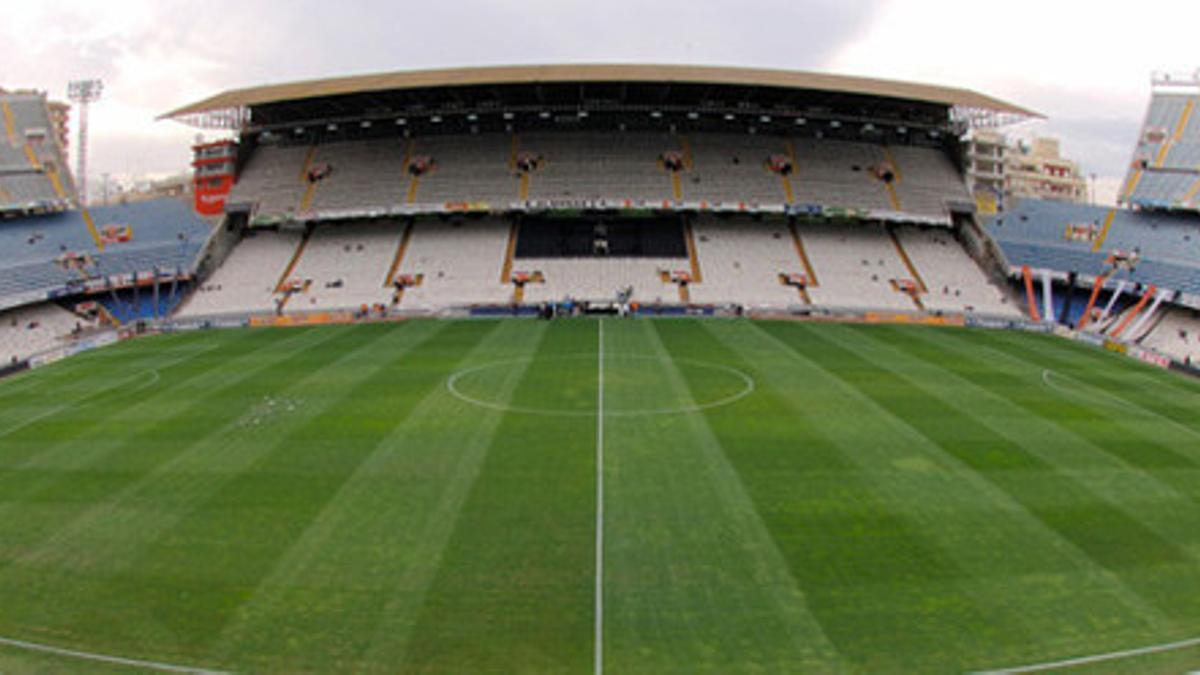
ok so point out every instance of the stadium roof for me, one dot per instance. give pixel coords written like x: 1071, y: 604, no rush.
x: 241, y: 99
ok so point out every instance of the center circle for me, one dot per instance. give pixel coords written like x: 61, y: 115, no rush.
x: 569, y: 385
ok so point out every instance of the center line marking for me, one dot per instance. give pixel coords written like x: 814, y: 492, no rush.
x: 599, y: 654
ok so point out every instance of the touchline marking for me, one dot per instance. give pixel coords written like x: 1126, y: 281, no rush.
x: 105, y: 658
x: 1099, y: 396
x: 1110, y: 656
x: 154, y: 378
x: 599, y: 641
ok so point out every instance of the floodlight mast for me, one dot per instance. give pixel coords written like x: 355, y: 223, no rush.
x: 83, y: 92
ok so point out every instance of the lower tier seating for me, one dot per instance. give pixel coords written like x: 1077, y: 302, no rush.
x: 30, y: 330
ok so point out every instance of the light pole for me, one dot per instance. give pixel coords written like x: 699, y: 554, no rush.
x: 83, y: 92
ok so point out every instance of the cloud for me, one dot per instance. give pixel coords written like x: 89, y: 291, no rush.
x: 1089, y: 77
x: 156, y: 55
x: 1086, y: 66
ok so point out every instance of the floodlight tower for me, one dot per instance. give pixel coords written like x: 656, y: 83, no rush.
x: 83, y: 92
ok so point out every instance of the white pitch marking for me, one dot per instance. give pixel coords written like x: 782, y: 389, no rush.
x: 154, y: 378
x: 1099, y: 395
x: 1110, y: 656
x: 599, y: 640
x: 105, y: 658
x: 748, y: 387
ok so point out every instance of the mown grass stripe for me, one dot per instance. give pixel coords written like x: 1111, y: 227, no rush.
x: 425, y: 545
x: 384, y: 530
x: 766, y: 624
x: 1148, y: 401
x: 1117, y: 540
x: 109, y: 590
x: 1034, y: 555
x: 55, y: 449
x: 860, y: 510
x: 889, y: 549
x: 514, y: 589
x: 278, y: 494
x: 184, y: 473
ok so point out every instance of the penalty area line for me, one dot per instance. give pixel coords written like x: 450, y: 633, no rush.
x: 106, y: 658
x: 1097, y: 658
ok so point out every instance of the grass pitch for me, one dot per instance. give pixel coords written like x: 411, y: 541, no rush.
x: 422, y: 497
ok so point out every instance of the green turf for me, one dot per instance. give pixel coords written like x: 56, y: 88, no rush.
x: 779, y: 497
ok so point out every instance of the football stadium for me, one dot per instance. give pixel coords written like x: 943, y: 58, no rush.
x: 599, y: 368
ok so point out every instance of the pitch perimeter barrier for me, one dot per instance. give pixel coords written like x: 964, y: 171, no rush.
x: 13, y: 368
x: 1148, y: 356
x: 318, y: 319
x: 1185, y: 368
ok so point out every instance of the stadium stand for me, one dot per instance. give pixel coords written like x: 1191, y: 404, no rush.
x: 33, y: 176
x: 470, y: 261
x: 840, y: 174
x: 476, y: 169
x: 459, y: 263
x: 728, y: 168
x: 362, y: 172
x: 345, y: 265
x: 855, y: 265
x: 1165, y: 171
x: 601, y: 279
x: 741, y: 262
x: 160, y: 235
x: 248, y: 279
x: 1081, y: 238
x: 1177, y: 335
x: 483, y: 190
x: 29, y: 330
x: 274, y: 179
x: 380, y: 176
x: 137, y: 304
x: 955, y: 282
x: 926, y: 180
x: 594, y: 166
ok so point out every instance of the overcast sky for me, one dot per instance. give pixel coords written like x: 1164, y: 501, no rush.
x: 1085, y: 65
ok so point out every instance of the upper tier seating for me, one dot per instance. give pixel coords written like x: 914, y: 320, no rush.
x: 1166, y: 168
x: 926, y: 179
x: 372, y: 176
x: 477, y: 171
x: 839, y: 173
x: 364, y: 172
x: 729, y: 168
x: 31, y: 159
x: 274, y: 177
x: 1167, y: 189
x: 598, y: 165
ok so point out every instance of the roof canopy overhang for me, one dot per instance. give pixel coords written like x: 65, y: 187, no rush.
x: 593, y: 86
